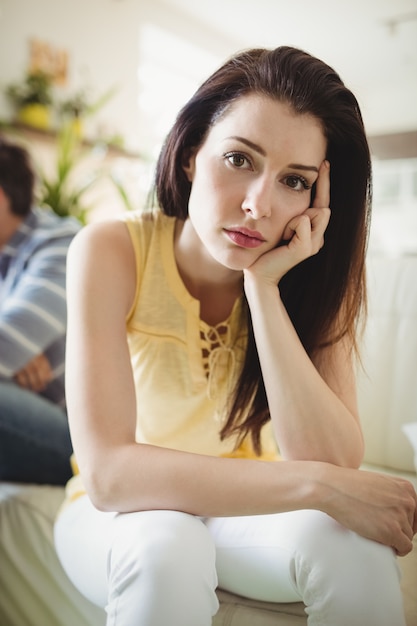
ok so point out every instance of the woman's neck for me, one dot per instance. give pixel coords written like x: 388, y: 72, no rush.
x: 215, y: 286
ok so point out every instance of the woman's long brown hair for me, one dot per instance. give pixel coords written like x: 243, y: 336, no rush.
x: 325, y: 295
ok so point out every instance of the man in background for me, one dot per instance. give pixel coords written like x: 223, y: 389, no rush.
x: 35, y: 444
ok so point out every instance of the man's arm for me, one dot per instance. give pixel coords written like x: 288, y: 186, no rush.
x: 33, y: 316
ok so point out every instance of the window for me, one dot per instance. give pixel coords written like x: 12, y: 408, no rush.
x: 170, y: 70
x: 394, y: 221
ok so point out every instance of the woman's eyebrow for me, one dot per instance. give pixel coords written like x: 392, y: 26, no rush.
x: 250, y: 144
x: 299, y: 166
x: 257, y: 148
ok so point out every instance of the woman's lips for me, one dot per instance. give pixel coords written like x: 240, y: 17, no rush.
x: 244, y: 237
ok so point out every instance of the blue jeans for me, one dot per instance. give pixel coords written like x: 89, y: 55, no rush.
x: 35, y: 444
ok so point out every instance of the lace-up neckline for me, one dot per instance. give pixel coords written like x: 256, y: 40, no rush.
x: 218, y: 356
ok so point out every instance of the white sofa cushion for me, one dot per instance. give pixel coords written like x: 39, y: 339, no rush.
x: 387, y: 387
x: 34, y: 589
x: 410, y: 431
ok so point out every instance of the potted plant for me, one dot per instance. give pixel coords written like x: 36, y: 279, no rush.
x: 32, y: 99
x: 72, y: 111
x: 59, y: 190
x: 78, y: 106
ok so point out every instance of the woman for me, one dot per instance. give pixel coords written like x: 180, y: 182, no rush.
x: 205, y: 331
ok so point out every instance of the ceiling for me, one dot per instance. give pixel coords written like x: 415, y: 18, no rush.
x: 372, y: 44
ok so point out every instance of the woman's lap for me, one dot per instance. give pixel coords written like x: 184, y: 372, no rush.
x: 297, y: 556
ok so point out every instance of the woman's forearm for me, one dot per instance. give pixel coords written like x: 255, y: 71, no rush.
x: 142, y: 477
x: 310, y: 420
x: 136, y: 477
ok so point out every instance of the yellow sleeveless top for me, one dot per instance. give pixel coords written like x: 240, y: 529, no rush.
x: 184, y: 369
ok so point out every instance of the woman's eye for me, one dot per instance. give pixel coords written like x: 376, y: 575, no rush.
x: 237, y: 159
x: 298, y: 183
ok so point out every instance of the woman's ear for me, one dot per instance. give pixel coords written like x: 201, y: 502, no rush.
x: 188, y: 164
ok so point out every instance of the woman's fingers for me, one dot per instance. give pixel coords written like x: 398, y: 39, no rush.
x: 319, y: 219
x: 308, y: 234
x: 305, y: 233
x: 322, y: 197
x: 303, y: 236
x: 379, y: 507
x: 320, y: 212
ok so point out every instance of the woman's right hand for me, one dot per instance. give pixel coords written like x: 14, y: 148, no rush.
x: 377, y: 506
x: 303, y: 236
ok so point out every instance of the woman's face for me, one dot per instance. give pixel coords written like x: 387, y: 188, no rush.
x: 252, y: 174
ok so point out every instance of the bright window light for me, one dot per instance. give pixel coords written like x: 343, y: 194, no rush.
x: 170, y: 70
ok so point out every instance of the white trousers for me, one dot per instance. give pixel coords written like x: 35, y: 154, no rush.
x: 162, y: 567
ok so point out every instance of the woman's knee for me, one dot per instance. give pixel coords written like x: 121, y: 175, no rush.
x: 171, y: 547
x: 343, y: 575
x: 320, y: 539
x: 162, y: 567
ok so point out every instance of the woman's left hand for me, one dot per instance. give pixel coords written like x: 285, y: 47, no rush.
x: 303, y: 236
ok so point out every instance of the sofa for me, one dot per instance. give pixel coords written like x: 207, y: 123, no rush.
x: 34, y: 590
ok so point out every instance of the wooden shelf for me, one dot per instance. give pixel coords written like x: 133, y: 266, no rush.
x: 50, y: 135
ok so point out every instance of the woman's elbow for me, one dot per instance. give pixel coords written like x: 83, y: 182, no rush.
x: 99, y: 484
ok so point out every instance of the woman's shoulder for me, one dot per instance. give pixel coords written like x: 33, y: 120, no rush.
x: 102, y: 234
x: 101, y: 259
x: 119, y: 229
x: 147, y: 229
x: 102, y: 247
x: 120, y: 241
x: 149, y: 220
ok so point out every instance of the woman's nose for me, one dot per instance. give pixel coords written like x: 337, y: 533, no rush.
x: 258, y: 199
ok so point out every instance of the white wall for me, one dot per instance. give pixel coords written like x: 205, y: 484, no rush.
x: 107, y: 41
x: 102, y: 42
x: 102, y: 38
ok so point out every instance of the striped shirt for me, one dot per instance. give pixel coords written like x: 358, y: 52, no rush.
x: 32, y: 296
